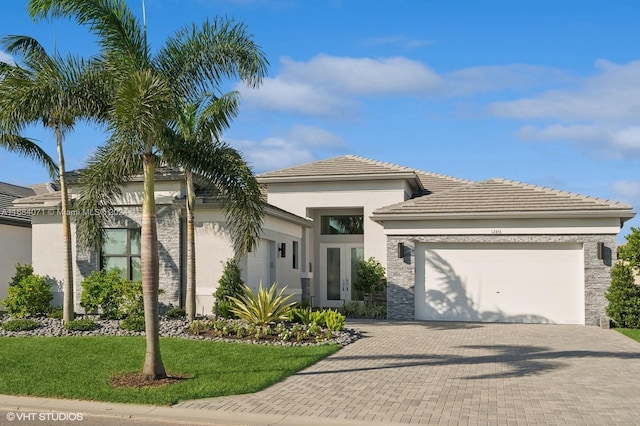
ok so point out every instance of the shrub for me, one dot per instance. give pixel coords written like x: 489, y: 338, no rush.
x: 115, y: 296
x: 223, y: 307
x: 630, y: 252
x: 133, y: 323
x: 132, y: 303
x: 56, y: 313
x: 31, y: 296
x: 84, y: 324
x: 229, y: 285
x: 262, y: 308
x: 371, y: 310
x: 20, y: 325
x: 370, y: 278
x: 624, y: 297
x: 176, y: 313
x: 22, y: 271
x: 101, y: 290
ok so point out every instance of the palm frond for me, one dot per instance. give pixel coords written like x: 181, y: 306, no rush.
x: 31, y: 51
x: 28, y: 148
x: 119, y: 31
x: 226, y: 171
x: 196, y: 59
x: 107, y: 172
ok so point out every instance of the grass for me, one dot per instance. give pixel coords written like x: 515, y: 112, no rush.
x: 81, y: 367
x: 633, y: 333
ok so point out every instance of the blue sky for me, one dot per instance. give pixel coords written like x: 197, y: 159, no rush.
x: 543, y: 92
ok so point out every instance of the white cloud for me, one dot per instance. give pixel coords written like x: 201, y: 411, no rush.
x: 363, y: 76
x: 602, y: 113
x: 6, y: 58
x: 333, y: 86
x: 301, y: 144
x: 278, y: 94
x: 469, y: 81
x: 614, y: 94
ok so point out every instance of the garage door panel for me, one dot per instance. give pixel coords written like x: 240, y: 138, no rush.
x: 500, y: 282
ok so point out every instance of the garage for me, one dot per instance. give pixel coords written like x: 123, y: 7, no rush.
x: 500, y: 282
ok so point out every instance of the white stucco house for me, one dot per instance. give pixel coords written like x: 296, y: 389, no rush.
x: 454, y: 250
x: 15, y: 234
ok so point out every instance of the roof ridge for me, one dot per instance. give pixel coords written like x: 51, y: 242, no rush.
x: 14, y: 185
x: 380, y: 163
x: 405, y: 168
x: 548, y: 190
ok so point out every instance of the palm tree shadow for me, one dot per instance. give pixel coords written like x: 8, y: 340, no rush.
x: 451, y: 300
x: 516, y: 360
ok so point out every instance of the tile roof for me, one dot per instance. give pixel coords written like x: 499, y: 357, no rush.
x: 9, y: 193
x: 501, y: 196
x: 353, y: 166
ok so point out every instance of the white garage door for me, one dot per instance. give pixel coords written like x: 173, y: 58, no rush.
x: 536, y: 282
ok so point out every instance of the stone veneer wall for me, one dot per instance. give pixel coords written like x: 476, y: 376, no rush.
x: 401, y: 272
x: 169, y: 236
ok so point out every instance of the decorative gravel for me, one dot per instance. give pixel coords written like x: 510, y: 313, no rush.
x: 169, y: 327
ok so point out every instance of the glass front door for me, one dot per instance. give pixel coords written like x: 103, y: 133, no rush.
x: 338, y: 273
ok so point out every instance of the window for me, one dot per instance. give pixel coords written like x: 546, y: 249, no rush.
x: 342, y: 225
x: 294, y: 249
x: 121, y: 249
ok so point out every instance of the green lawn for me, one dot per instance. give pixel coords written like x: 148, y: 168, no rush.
x: 80, y: 367
x: 634, y: 333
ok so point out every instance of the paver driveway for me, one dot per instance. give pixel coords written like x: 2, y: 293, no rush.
x: 461, y: 373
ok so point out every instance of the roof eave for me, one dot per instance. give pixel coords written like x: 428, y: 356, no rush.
x: 624, y: 215
x: 338, y: 178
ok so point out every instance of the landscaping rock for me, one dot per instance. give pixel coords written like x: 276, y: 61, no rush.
x: 169, y: 327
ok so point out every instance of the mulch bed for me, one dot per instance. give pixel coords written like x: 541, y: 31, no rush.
x: 135, y: 380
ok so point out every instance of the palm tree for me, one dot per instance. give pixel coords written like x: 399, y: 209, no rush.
x: 52, y: 91
x: 148, y: 91
x: 197, y: 124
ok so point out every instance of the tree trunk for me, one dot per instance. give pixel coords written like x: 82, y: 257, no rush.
x: 68, y: 299
x: 153, y: 368
x: 190, y: 305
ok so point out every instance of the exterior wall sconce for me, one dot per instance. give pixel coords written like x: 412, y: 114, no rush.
x: 600, y: 250
x: 283, y: 250
x: 400, y: 250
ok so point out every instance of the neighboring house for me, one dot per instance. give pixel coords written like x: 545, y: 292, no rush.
x: 15, y: 234
x: 454, y: 250
x: 265, y: 263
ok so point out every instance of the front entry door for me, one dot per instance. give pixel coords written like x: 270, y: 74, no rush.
x: 338, y: 272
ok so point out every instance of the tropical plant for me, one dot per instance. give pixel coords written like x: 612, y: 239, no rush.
x: 300, y: 315
x: 145, y: 93
x: 32, y: 296
x: 623, y: 296
x: 334, y: 320
x: 199, y: 123
x: 51, y: 91
x: 263, y: 307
